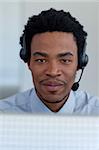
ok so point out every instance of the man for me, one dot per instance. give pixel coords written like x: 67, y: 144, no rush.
x: 53, y: 46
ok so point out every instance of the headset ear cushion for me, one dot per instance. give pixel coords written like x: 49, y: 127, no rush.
x: 23, y: 55
x: 83, y: 61
x: 23, y: 52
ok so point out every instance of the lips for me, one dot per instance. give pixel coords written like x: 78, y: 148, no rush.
x: 52, y: 85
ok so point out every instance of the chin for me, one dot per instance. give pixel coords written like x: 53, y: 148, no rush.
x: 53, y: 98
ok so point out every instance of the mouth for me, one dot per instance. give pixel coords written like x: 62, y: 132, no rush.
x: 52, y: 85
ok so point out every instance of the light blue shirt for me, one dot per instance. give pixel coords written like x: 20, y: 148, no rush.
x: 79, y: 103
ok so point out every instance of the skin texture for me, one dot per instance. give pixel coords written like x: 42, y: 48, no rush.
x: 53, y: 64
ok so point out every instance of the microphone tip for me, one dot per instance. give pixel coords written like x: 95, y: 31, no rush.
x: 75, y: 86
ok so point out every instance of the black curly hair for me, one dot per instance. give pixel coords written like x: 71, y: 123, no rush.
x: 53, y: 20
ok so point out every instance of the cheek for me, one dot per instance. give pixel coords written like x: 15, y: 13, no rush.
x: 37, y: 73
x: 70, y: 76
x: 37, y: 70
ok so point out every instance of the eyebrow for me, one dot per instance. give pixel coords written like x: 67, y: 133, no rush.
x: 39, y: 54
x: 46, y: 55
x: 65, y: 54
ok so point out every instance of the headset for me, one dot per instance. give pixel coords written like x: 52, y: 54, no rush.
x: 82, y: 61
x: 24, y: 52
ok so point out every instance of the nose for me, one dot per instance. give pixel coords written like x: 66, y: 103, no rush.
x: 53, y: 69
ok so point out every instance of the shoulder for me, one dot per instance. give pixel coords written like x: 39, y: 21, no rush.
x: 87, y: 102
x: 16, y: 101
x: 88, y: 98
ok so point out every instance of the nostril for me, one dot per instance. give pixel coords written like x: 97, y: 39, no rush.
x: 53, y: 74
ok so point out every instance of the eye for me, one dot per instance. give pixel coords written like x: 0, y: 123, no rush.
x: 66, y: 61
x: 40, y: 60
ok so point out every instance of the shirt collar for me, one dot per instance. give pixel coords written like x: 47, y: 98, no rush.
x: 69, y: 105
x: 38, y: 106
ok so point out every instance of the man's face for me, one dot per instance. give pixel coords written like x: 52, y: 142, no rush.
x: 53, y: 65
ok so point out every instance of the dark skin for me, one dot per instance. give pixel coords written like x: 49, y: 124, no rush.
x: 53, y: 65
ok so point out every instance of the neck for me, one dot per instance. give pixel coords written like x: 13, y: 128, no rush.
x: 54, y: 106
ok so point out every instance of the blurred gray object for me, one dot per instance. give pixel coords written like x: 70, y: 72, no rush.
x: 6, y: 91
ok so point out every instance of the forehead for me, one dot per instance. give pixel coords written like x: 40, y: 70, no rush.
x: 54, y: 41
